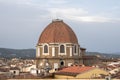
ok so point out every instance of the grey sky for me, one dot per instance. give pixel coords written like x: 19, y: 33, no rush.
x: 95, y: 22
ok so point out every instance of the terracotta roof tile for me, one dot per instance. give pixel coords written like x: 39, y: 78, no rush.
x: 76, y: 69
x: 57, y: 32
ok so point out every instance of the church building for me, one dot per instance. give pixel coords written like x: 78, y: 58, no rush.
x: 58, y: 46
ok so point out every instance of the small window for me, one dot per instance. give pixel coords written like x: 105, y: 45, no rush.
x: 61, y: 63
x: 14, y: 72
x: 62, y: 49
x: 37, y: 72
x: 45, y: 49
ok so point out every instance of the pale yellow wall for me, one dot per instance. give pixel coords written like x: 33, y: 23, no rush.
x: 91, y: 73
x: 60, y: 79
x: 85, y: 75
x: 63, y: 77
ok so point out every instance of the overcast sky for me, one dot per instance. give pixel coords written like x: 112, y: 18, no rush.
x: 95, y: 22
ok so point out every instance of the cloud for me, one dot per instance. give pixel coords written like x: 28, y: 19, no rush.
x: 65, y: 12
x: 58, y: 1
x: 77, y: 14
x: 90, y: 18
x: 15, y: 1
x: 35, y: 3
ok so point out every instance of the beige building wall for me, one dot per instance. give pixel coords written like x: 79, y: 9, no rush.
x: 60, y: 79
x: 92, y: 73
x: 63, y: 77
x: 85, y: 75
x: 15, y: 72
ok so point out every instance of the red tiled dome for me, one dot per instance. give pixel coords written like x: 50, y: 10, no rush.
x: 58, y: 32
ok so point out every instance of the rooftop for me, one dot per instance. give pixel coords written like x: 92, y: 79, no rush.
x: 76, y: 69
x: 57, y: 32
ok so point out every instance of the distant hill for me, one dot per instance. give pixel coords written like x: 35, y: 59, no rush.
x: 30, y: 53
x: 18, y: 53
x: 105, y: 55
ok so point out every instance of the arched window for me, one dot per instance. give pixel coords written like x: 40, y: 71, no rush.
x: 62, y: 49
x: 45, y: 49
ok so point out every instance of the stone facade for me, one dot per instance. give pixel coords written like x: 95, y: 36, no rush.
x: 59, y: 49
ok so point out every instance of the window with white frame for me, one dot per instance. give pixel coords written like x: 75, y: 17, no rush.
x: 62, y: 49
x: 45, y: 48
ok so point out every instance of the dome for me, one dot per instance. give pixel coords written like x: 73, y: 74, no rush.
x: 58, y: 32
